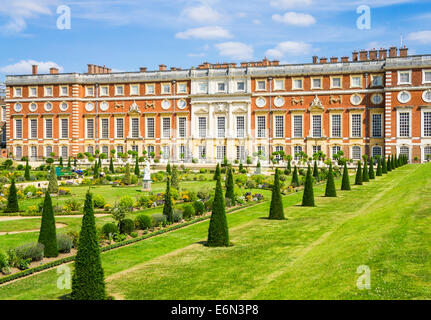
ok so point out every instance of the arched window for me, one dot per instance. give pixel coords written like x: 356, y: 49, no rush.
x: 405, y: 151
x: 48, y: 151
x: 427, y: 153
x: 356, y: 153
x: 64, y: 152
x: 376, y: 151
x: 296, y: 151
x: 33, y: 153
x: 18, y: 152
x: 90, y: 150
x: 335, y: 150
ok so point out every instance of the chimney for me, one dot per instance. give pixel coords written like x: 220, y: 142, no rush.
x: 162, y: 67
x: 373, y: 54
x: 244, y: 64
x: 355, y: 56
x: 275, y: 63
x: 143, y: 69
x: 344, y: 59
x: 404, y: 52
x: 363, y: 55
x: 90, y: 69
x: 266, y: 62
x: 323, y: 60
x: 232, y: 65
x: 173, y: 69
x: 383, y: 53
x: 34, y: 69
x: 53, y: 71
x: 334, y: 59
x: 393, y: 52
x: 315, y: 59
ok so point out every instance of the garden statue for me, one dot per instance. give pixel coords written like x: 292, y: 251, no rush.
x: 146, y: 181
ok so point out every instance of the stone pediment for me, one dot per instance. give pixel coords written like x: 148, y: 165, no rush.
x: 201, y: 110
x: 239, y: 109
x: 134, y: 108
x: 316, y: 105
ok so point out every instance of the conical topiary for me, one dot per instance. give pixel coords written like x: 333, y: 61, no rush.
x: 111, y: 165
x: 137, y: 171
x: 96, y: 170
x: 88, y: 281
x: 217, y: 173
x: 276, y: 211
x: 315, y: 171
x: 53, y: 183
x: 379, y: 172
x: 99, y: 165
x: 168, y: 210
x: 365, y: 175
x: 358, y: 180
x: 330, y: 184
x: 371, y: 173
x: 295, y: 179
x: 48, y: 234
x: 175, y: 183
x: 308, y: 196
x: 61, y: 162
x: 27, y: 171
x: 12, y: 199
x: 75, y: 164
x: 69, y: 164
x: 230, y: 186
x: 384, y: 165
x: 389, y: 164
x: 393, y: 163
x: 218, y: 232
x: 168, y: 169
x: 345, y: 184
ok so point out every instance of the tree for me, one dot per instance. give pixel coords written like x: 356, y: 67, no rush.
x: 96, y: 170
x: 358, y: 180
x: 316, y: 171
x: 61, y: 162
x: 168, y: 209
x: 276, y: 211
x: 111, y: 165
x: 389, y: 165
x: 174, y: 178
x: 168, y: 169
x: 393, y: 163
x: 371, y: 174
x: 217, y: 173
x: 379, y: 172
x: 53, y: 183
x: 230, y: 186
x: 48, y: 234
x: 12, y: 199
x: 27, y: 171
x: 69, y: 164
x: 365, y: 175
x: 330, y: 184
x: 289, y: 163
x: 75, y: 164
x: 384, y: 165
x: 345, y: 184
x: 137, y: 171
x: 88, y: 279
x: 308, y: 197
x: 127, y: 179
x: 397, y: 164
x: 218, y: 232
x: 295, y: 180
x: 99, y: 165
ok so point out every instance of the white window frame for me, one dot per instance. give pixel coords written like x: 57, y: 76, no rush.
x: 259, y: 81
x: 351, y: 125
x: 45, y: 88
x: 48, y: 151
x: 374, y: 76
x: 45, y: 128
x: 179, y: 84
x: 340, y: 127
x: 423, y: 76
x: 118, y: 86
x: 89, y: 91
x: 164, y: 91
x: 15, y: 134
x: 116, y: 128
x: 102, y: 129
x: 332, y: 78
x: 399, y: 112
x: 30, y: 95
x: 147, y: 89
x: 86, y: 128
x: 423, y: 111
x: 313, y: 131
x: 61, y: 128
x: 312, y: 83
x: 202, y: 132
x: 293, y: 126
x: 352, y: 85
x: 280, y: 88
x: 218, y: 86
x: 237, y: 84
x: 134, y: 86
x: 373, y: 154
x: 352, y: 153
x: 15, y: 94
x: 147, y: 135
x: 101, y: 93
x: 240, y: 132
x: 221, y: 130
x: 180, y: 127
x: 163, y: 133
x: 381, y: 125
x: 61, y: 94
x: 283, y: 127
x: 30, y: 129
x: 259, y: 130
x: 293, y: 83
x: 409, y: 72
x: 132, y: 122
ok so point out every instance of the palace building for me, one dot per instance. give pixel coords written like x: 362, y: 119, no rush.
x: 378, y: 103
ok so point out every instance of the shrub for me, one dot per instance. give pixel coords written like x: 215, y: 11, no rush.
x: 12, y: 199
x: 358, y: 179
x: 308, y: 196
x: 330, y: 184
x: 188, y: 211
x: 199, y: 207
x: 127, y: 202
x: 218, y: 233
x: 4, y: 261
x: 127, y: 226
x: 30, y: 189
x: 178, y: 216
x: 109, y: 229
x: 168, y: 210
x: 72, y: 205
x: 143, y: 222
x: 276, y: 211
x: 159, y: 220
x: 345, y: 185
x: 53, y: 183
x: 143, y: 201
x: 47, y: 235
x: 32, y: 251
x: 64, y: 243
x: 99, y: 201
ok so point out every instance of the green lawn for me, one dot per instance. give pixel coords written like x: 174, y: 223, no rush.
x: 314, y: 254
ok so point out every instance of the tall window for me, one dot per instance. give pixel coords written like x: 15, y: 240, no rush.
x: 4, y: 118
x: 90, y: 150
x: 182, y: 131
x: 356, y: 153
x: 404, y: 124
x: 261, y: 150
x: 221, y: 152
x: 105, y: 150
x: 296, y: 151
x: 33, y: 153
x: 316, y: 149
x: 150, y: 150
x: 18, y: 152
x: 240, y: 127
x: 221, y: 127
x: 135, y: 148
x: 64, y: 152
x: 202, y: 152
x: 317, y: 126
x: 150, y: 128
x: 33, y: 128
x: 48, y: 151
x: 377, y: 125
x: 279, y: 126
x: 120, y: 150
x: 64, y: 128
x: 335, y: 150
x: 405, y: 151
x: 166, y: 152
x: 297, y: 126
x: 182, y: 151
x: 261, y: 127
x: 278, y: 149
x: 202, y: 123
x: 240, y: 153
x: 427, y: 153
x: 336, y: 125
x: 48, y: 128
x: 356, y: 125
x: 135, y: 127
x: 427, y: 124
x: 90, y: 128
x: 105, y: 128
x: 166, y: 132
x: 120, y: 128
x: 376, y: 151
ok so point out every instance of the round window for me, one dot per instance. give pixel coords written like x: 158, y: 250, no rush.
x: 32, y: 107
x: 356, y: 99
x: 18, y: 107
x: 104, y: 106
x: 404, y: 96
x: 426, y: 96
x: 377, y: 99
x: 48, y: 106
x: 279, y: 102
x: 181, y: 104
x: 261, y: 102
x: 63, y: 106
x: 89, y: 106
x: 166, y: 104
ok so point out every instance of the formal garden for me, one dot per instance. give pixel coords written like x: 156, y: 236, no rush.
x: 109, y: 215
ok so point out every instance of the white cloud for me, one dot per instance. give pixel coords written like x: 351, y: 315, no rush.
x: 289, y: 48
x: 235, y: 50
x: 420, y: 36
x: 207, y: 33
x: 294, y: 18
x: 25, y: 67
x: 289, y: 4
x: 202, y: 14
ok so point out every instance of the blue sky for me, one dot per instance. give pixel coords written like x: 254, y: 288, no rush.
x: 128, y: 34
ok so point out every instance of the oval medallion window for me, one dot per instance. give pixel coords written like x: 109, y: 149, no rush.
x: 18, y: 107
x: 166, y: 104
x: 404, y: 96
x: 261, y: 102
x: 279, y: 102
x: 48, y: 106
x: 356, y: 99
x: 63, y: 106
x: 89, y: 107
x: 104, y: 106
x: 32, y: 107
